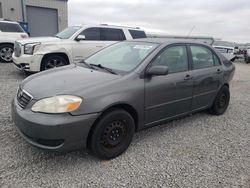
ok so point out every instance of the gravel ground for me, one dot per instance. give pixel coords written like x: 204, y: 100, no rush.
x: 200, y: 150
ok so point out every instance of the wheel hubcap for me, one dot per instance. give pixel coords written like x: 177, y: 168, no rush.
x: 114, y: 134
x: 54, y: 63
x: 6, y: 54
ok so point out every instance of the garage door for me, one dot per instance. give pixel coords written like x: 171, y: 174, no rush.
x: 42, y: 21
x: 1, y: 12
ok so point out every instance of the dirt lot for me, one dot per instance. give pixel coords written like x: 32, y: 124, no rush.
x: 200, y: 150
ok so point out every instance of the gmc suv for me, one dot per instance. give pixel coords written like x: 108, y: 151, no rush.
x: 69, y: 46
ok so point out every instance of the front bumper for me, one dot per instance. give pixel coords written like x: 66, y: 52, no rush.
x: 59, y: 132
x: 30, y: 63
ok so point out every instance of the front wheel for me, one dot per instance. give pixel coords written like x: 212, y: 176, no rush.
x: 6, y: 51
x: 53, y: 61
x: 112, y: 134
x: 221, y: 101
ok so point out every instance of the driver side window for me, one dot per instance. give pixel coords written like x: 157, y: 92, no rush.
x: 92, y: 33
x: 174, y: 57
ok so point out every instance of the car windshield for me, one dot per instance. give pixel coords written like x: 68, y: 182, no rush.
x: 122, y: 57
x: 10, y: 27
x: 68, y: 32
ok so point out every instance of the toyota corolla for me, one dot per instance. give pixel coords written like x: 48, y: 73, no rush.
x: 99, y: 103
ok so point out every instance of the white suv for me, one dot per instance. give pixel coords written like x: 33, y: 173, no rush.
x: 69, y: 46
x: 9, y: 33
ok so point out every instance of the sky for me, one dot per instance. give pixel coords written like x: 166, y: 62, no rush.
x: 223, y: 19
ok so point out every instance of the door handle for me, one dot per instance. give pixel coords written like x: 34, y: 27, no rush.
x: 218, y: 71
x: 99, y: 46
x: 188, y: 77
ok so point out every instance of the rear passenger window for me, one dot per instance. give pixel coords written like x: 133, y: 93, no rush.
x: 174, y: 57
x: 92, y: 34
x: 202, y: 57
x: 112, y: 34
x: 137, y: 34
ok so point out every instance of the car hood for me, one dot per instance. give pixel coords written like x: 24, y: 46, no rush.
x: 68, y: 80
x: 38, y: 40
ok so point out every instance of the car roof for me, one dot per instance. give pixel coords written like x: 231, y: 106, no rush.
x: 109, y: 26
x: 167, y: 41
x: 8, y: 21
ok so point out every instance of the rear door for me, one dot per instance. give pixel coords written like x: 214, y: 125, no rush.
x: 170, y: 95
x: 207, y: 76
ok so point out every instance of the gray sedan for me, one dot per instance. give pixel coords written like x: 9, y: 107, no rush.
x: 99, y: 103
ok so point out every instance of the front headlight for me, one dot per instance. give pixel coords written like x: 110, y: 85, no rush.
x: 57, y: 104
x: 29, y: 48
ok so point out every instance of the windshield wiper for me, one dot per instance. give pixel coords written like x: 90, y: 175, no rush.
x: 105, y: 68
x: 86, y: 64
x: 57, y: 36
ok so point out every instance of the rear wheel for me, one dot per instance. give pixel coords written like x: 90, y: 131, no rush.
x: 53, y: 61
x: 221, y: 101
x: 112, y: 134
x: 6, y: 51
x: 247, y: 60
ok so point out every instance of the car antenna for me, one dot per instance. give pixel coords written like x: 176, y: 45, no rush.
x: 192, y: 29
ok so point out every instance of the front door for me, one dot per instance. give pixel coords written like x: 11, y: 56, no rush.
x: 91, y: 44
x: 95, y: 39
x: 170, y: 95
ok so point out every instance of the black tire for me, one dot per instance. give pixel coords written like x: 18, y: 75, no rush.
x: 221, y: 101
x: 6, y: 51
x: 247, y: 60
x: 53, y: 61
x: 112, y: 134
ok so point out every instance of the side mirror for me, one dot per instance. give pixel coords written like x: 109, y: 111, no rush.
x: 157, y: 71
x: 80, y: 37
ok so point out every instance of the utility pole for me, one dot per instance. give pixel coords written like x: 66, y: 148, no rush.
x: 22, y: 4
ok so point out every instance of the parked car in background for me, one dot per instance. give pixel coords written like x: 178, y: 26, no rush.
x: 200, y: 39
x: 247, y: 55
x: 100, y: 102
x: 69, y: 46
x: 228, y: 49
x: 9, y: 33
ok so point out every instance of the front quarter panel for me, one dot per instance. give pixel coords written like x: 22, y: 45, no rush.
x: 63, y: 47
x: 128, y: 90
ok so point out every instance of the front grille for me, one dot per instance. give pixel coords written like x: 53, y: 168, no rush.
x: 17, y: 49
x: 23, y: 98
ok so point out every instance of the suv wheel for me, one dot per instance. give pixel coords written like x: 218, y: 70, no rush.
x: 6, y: 51
x: 53, y: 61
x: 112, y: 134
x: 221, y: 101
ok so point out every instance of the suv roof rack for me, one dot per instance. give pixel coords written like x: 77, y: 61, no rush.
x: 121, y: 26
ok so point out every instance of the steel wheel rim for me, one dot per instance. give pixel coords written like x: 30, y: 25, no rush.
x: 6, y: 54
x: 53, y: 63
x: 114, y: 134
x: 222, y: 100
